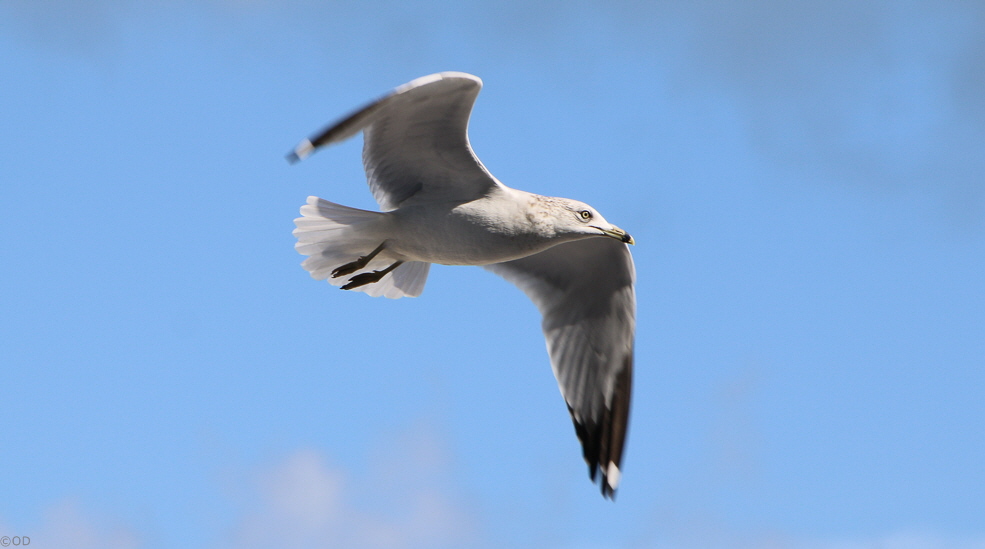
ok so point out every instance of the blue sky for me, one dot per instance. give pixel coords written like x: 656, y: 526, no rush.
x: 804, y: 183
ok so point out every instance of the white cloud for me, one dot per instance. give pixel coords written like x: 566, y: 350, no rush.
x: 302, y: 501
x: 65, y: 525
x: 404, y: 501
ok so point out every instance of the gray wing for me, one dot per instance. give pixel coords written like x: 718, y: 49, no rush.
x: 584, y: 290
x: 416, y: 144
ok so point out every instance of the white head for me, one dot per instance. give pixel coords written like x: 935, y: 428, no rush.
x: 578, y: 219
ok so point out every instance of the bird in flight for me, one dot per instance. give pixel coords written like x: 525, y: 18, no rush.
x: 439, y: 204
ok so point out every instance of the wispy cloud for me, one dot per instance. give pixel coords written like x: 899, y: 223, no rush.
x: 406, y: 501
x: 66, y: 524
x: 302, y: 501
x: 884, y: 95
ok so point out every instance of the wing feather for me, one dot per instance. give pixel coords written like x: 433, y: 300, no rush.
x: 584, y: 290
x: 416, y: 142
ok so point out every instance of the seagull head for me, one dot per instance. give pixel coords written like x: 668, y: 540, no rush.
x: 581, y: 219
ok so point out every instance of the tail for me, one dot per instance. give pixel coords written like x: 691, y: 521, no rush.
x: 333, y: 235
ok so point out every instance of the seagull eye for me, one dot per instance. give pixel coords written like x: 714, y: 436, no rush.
x: 585, y: 214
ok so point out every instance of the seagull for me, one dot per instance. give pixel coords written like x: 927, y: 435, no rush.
x: 439, y: 204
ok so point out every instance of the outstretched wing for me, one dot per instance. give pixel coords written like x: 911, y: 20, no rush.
x: 584, y: 290
x: 416, y: 142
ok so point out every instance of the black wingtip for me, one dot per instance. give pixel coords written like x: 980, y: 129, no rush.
x: 603, y: 438
x: 607, y: 485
